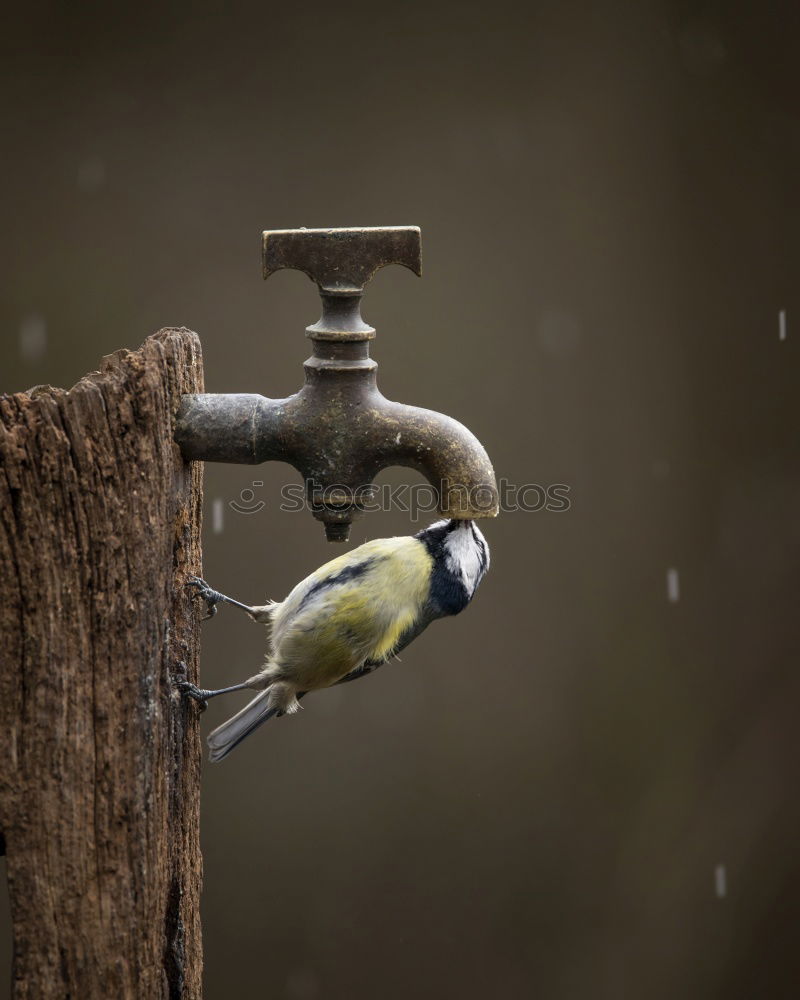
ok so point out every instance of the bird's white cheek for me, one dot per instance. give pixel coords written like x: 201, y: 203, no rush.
x: 463, y: 559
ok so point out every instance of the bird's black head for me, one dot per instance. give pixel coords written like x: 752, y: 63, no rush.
x: 460, y: 561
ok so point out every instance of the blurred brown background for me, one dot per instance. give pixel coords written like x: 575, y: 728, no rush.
x: 579, y: 788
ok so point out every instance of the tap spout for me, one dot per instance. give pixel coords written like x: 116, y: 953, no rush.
x: 449, y: 455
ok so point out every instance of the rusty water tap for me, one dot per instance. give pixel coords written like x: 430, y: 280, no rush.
x: 339, y: 431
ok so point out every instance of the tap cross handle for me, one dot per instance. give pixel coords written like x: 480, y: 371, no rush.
x: 341, y: 261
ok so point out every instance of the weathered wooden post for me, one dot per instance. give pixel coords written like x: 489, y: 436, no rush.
x: 99, y: 782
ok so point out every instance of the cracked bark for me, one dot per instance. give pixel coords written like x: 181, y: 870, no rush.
x: 99, y: 785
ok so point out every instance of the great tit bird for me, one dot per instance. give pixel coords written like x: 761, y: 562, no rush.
x: 350, y: 616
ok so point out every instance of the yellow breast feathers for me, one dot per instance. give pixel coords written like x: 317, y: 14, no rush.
x: 352, y: 609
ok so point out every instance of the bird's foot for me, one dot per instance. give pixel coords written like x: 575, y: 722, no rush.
x: 200, y: 695
x: 208, y: 594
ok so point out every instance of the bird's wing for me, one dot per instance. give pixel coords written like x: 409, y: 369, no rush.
x: 357, y: 576
x: 342, y: 571
x: 356, y: 609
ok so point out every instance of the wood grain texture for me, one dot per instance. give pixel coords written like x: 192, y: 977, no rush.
x: 99, y: 785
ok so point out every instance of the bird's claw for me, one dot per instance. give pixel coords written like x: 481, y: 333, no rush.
x: 207, y: 593
x: 193, y: 691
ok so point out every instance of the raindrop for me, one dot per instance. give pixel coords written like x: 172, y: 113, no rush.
x: 782, y: 325
x: 720, y: 881
x: 673, y: 586
x: 32, y: 338
x: 217, y: 516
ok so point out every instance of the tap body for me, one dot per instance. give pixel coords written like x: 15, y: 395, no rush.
x: 338, y: 430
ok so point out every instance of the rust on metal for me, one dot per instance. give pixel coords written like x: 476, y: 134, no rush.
x: 338, y: 430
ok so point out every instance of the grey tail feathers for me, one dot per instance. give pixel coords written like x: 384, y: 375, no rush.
x: 231, y: 733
